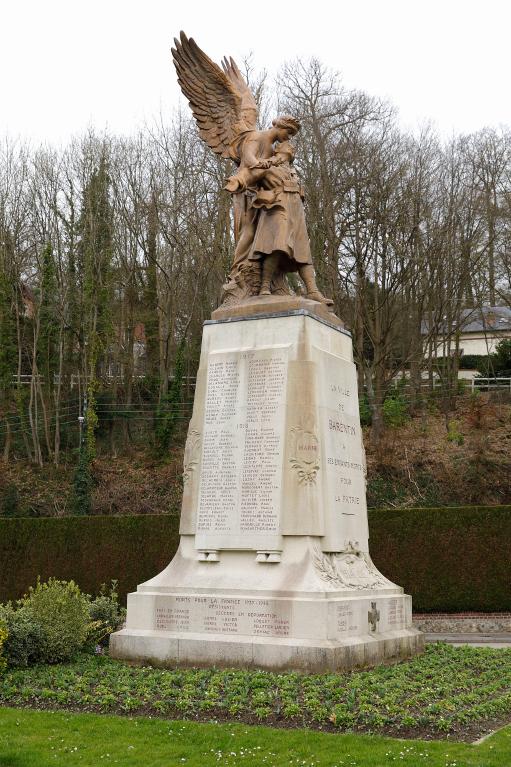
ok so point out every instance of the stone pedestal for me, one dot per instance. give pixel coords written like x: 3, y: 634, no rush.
x: 273, y: 569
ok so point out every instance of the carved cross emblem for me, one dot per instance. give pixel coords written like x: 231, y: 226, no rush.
x: 373, y: 616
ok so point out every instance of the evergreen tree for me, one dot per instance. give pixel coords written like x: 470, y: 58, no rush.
x: 8, y: 342
x: 152, y: 325
x: 8, y: 357
x: 169, y: 409
x: 48, y: 322
x: 502, y: 359
x: 81, y: 500
x: 95, y: 246
x: 94, y: 253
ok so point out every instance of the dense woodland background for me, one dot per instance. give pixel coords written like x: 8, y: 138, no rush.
x: 113, y: 252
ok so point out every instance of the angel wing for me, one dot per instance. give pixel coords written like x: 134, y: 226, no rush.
x: 220, y: 99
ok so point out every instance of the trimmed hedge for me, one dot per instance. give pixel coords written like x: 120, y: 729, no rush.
x: 89, y: 550
x: 448, y: 559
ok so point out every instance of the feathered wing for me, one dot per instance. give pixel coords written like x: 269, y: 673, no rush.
x: 220, y: 99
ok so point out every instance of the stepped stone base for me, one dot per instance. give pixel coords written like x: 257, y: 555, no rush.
x: 315, y: 625
x: 273, y: 569
x: 161, y: 648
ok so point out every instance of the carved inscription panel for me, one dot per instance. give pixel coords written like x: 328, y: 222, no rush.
x: 240, y: 476
x: 223, y: 615
x: 346, y: 621
x: 396, y: 616
x: 344, y: 476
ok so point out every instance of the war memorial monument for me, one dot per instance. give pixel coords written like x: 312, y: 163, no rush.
x: 273, y: 567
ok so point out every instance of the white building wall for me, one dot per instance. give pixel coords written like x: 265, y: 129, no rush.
x: 478, y: 344
x: 473, y: 343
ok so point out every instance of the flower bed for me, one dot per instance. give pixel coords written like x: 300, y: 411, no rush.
x: 455, y: 692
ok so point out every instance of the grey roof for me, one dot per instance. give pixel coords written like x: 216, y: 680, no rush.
x: 485, y: 319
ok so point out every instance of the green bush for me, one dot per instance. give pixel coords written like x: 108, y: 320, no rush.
x: 395, y: 411
x: 473, y: 362
x: 81, y: 496
x: 10, y: 501
x: 3, y: 636
x: 105, y: 611
x: 499, y: 362
x: 365, y: 411
x: 56, y: 620
x: 502, y: 358
x: 26, y: 641
x: 62, y: 611
x: 384, y: 490
x: 454, y: 434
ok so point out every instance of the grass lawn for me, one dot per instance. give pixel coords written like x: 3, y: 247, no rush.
x: 450, y: 692
x: 41, y: 738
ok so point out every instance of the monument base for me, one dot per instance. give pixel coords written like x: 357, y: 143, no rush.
x: 161, y: 649
x: 273, y: 569
x: 316, y: 624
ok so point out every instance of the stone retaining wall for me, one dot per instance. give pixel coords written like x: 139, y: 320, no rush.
x: 463, y: 623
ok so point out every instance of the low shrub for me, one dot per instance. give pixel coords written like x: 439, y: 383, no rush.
x: 56, y: 620
x: 395, y: 411
x: 454, y: 434
x: 473, y: 362
x: 365, y: 411
x: 10, y: 501
x: 499, y: 362
x: 62, y: 611
x: 384, y: 490
x: 26, y: 640
x: 3, y: 636
x: 105, y: 611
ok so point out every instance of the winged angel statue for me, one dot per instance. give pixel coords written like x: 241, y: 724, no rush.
x: 269, y: 218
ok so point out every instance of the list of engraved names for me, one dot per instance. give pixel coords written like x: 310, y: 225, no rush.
x: 223, y: 615
x: 243, y: 442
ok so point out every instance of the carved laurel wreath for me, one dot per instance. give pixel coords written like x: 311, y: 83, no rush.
x: 335, y: 569
x: 306, y: 470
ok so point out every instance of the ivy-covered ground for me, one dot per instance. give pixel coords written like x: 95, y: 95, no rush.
x: 449, y: 692
x: 44, y: 739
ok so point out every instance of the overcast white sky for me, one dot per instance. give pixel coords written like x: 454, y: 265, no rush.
x: 68, y: 64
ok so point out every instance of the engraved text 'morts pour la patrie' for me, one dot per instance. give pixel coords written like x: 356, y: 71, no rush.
x: 273, y: 567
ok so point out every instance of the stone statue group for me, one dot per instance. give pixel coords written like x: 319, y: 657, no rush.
x: 269, y: 218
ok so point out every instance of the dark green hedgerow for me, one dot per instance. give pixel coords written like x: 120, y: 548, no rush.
x: 448, y: 559
x: 447, y: 691
x: 88, y: 550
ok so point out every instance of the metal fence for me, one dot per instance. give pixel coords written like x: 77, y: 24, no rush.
x: 491, y: 384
